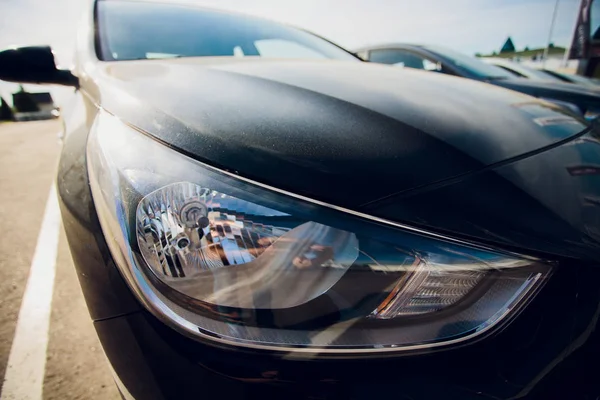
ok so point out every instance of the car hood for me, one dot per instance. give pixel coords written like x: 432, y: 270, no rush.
x: 342, y: 132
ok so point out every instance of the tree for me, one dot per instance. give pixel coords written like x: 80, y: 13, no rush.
x: 477, y: 54
x: 508, y: 46
x: 551, y: 45
x: 526, y: 48
x: 495, y: 53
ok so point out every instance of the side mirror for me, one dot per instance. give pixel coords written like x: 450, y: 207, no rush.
x: 33, y: 64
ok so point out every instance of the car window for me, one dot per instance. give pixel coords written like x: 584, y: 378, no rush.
x: 403, y: 58
x: 471, y: 65
x: 512, y: 71
x: 285, y: 49
x: 533, y: 73
x: 580, y: 79
x: 128, y: 31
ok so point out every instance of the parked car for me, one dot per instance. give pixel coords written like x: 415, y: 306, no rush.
x: 579, y: 99
x: 523, y: 71
x: 571, y: 78
x: 520, y: 70
x: 253, y: 212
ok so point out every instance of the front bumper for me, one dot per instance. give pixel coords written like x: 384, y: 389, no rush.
x: 548, y: 352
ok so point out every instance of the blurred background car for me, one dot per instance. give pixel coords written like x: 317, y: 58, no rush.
x: 523, y: 71
x: 520, y: 70
x: 572, y: 78
x: 577, y: 98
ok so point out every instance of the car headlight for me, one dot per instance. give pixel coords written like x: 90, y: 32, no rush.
x: 227, y: 260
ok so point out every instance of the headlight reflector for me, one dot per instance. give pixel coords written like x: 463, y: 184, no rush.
x: 426, y: 291
x: 227, y: 260
x: 230, y: 252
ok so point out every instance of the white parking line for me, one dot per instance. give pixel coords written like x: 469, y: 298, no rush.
x: 27, y: 360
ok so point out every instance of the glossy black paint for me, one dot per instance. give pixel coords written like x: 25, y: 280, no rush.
x: 581, y: 96
x: 480, y: 168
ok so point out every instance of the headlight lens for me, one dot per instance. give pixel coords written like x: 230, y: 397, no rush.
x: 224, y: 259
x: 229, y: 252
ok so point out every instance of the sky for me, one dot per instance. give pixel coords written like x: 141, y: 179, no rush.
x: 469, y: 26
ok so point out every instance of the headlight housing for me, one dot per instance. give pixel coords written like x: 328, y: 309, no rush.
x: 227, y: 260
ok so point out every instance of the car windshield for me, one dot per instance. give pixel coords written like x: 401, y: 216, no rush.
x: 136, y: 30
x: 533, y: 73
x: 580, y: 79
x: 521, y: 70
x: 471, y: 65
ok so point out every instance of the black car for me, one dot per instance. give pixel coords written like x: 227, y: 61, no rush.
x: 314, y: 226
x: 570, y: 78
x: 580, y: 99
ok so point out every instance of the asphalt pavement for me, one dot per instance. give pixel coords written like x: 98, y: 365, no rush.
x: 75, y: 366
